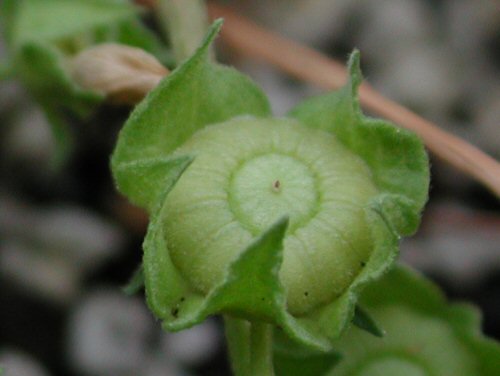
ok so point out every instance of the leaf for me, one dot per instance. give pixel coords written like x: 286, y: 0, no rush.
x: 51, y: 20
x: 364, y: 321
x: 444, y: 337
x: 406, y: 287
x: 395, y: 156
x: 196, y: 94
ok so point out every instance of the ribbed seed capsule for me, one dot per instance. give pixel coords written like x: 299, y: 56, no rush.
x: 248, y: 173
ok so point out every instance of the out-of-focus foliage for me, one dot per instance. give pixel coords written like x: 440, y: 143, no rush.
x: 43, y: 35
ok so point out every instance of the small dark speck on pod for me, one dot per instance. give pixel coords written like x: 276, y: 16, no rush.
x: 306, y: 293
x: 175, y: 312
x: 362, y: 264
x: 276, y: 186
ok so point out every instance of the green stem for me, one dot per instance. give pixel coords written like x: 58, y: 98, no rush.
x: 186, y: 22
x: 238, y: 343
x: 261, y: 350
x: 250, y: 347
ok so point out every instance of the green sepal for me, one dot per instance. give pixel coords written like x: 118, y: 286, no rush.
x: 327, y: 323
x: 143, y: 180
x: 408, y: 291
x: 136, y: 282
x: 395, y: 156
x: 252, y: 288
x: 363, y: 320
x: 399, y: 167
x: 196, y: 94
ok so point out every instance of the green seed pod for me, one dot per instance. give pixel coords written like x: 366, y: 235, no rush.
x: 443, y: 339
x: 271, y: 168
x: 278, y: 220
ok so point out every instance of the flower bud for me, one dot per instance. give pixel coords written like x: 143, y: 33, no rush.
x: 125, y: 74
x: 281, y: 220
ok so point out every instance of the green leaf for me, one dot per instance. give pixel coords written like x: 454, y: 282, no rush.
x: 364, y: 321
x: 444, y: 339
x: 196, y: 94
x: 136, y: 282
x: 396, y: 156
x: 51, y: 20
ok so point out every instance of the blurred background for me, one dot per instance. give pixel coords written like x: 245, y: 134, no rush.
x: 69, y: 242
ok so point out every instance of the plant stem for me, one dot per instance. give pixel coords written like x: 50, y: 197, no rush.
x: 250, y: 347
x: 261, y: 349
x: 238, y: 343
x: 186, y: 22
